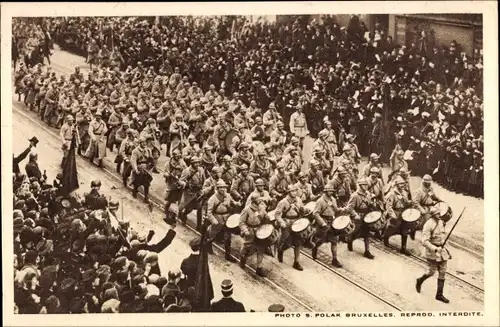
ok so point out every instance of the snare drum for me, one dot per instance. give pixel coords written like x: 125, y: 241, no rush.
x: 302, y: 229
x: 232, y: 224
x: 373, y: 221
x: 266, y: 235
x: 271, y: 215
x: 410, y: 219
x: 445, y: 211
x: 343, y: 225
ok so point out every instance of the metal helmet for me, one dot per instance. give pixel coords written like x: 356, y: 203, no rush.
x: 260, y: 182
x: 427, y: 178
x: 347, y: 147
x: 220, y: 183
x: 341, y: 170
x: 292, y: 188
x: 362, y: 181
x: 195, y: 159
x: 399, y: 180
x: 95, y: 183
x: 374, y: 156
x: 244, y: 167
x: 328, y: 188
x: 374, y: 170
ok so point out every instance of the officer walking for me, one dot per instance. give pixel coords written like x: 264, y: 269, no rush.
x: 433, y: 236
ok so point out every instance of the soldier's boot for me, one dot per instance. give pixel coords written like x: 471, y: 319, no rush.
x: 199, y: 217
x: 335, y: 261
x: 412, y: 235
x: 269, y: 251
x: 243, y: 260
x: 349, y: 246
x: 260, y: 272
x: 100, y: 163
x: 280, y: 254
x: 314, y: 252
x: 404, y: 240
x: 439, y: 293
x: 386, y: 241
x: 420, y: 281
x: 119, y: 168
x: 146, y: 194
x: 227, y: 248
x: 135, y: 191
x: 296, y: 254
x: 367, y: 253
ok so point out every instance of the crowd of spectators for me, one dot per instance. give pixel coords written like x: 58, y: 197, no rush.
x: 421, y: 96
x: 75, y: 254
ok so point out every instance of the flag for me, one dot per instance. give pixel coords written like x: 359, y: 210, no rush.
x: 204, y: 291
x: 70, y: 174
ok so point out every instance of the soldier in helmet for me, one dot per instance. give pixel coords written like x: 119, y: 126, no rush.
x: 97, y: 132
x: 376, y: 188
x: 252, y: 217
x: 279, y: 182
x: 288, y: 210
x: 425, y: 198
x: 305, y: 188
x: 341, y: 186
x: 278, y: 138
x: 66, y: 133
x: 242, y: 185
x: 191, y: 182
x: 318, y: 155
x: 315, y: 176
x: 396, y: 202
x: 260, y: 191
x: 374, y: 162
x: 228, y: 170
x: 324, y: 213
x: 433, y: 237
x: 360, y: 203
x: 261, y: 167
x: 243, y: 156
x: 209, y: 186
x: 174, y: 167
x: 92, y: 197
x: 141, y: 163
x: 125, y: 152
x: 218, y: 210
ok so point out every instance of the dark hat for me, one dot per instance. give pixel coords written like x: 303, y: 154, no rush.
x: 195, y: 244
x: 34, y: 140
x: 226, y: 285
x: 276, y: 308
x: 89, y: 275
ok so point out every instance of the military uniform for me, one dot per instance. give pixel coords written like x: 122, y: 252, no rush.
x: 317, y: 180
x: 424, y: 199
x: 278, y: 139
x: 278, y: 185
x: 139, y: 161
x: 305, y: 192
x: 433, y: 237
x: 396, y: 202
x: 261, y: 169
x: 97, y: 147
x: 341, y: 189
x: 66, y: 135
x: 125, y: 152
x: 192, y: 180
x: 298, y: 124
x: 242, y: 187
x: 251, y: 219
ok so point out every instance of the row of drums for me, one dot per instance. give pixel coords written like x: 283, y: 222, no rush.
x: 342, y: 226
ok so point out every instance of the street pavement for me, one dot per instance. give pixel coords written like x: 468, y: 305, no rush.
x: 469, y: 233
x: 391, y: 276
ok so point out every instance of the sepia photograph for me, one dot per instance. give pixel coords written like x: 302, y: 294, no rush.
x: 324, y: 164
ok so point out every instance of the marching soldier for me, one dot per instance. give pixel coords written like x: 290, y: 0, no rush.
x: 324, y: 213
x: 376, y: 188
x: 260, y: 191
x: 358, y: 206
x: 305, y: 189
x: 316, y: 178
x: 279, y: 183
x: 341, y: 187
x: 331, y: 139
x: 425, y: 198
x: 242, y: 185
x: 97, y: 132
x: 125, y: 152
x: 66, y: 133
x: 209, y: 188
x: 140, y: 160
x: 270, y: 118
x: 433, y: 237
x: 278, y: 139
x: 218, y: 210
x: 397, y: 161
x: 243, y: 156
x: 261, y: 167
x: 318, y: 154
x: 396, y: 202
x: 191, y: 181
x: 292, y: 163
x: 174, y: 167
x: 324, y: 148
x: 91, y: 200
x: 228, y: 171
x: 252, y: 217
x: 298, y: 124
x: 288, y: 211
x: 374, y: 162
